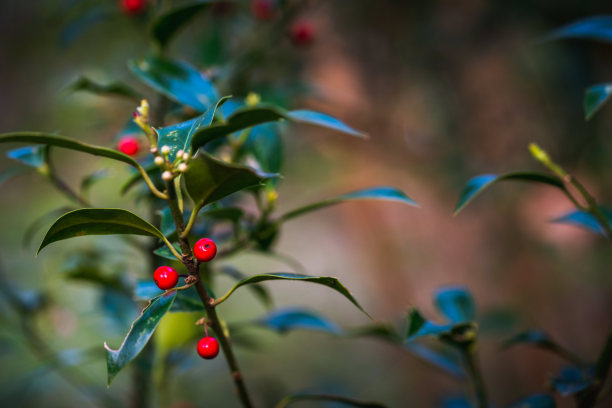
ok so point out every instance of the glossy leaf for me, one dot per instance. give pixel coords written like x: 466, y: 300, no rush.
x: 177, y: 80
x: 186, y: 300
x: 322, y: 120
x: 330, y: 282
x: 572, y: 380
x: 592, y: 28
x: 595, y: 97
x: 98, y: 221
x: 168, y: 24
x: 478, y: 184
x: 115, y: 88
x: 178, y: 137
x: 456, y: 304
x: 536, y: 401
x: 208, y: 180
x: 586, y: 220
x: 289, y: 400
x: 32, y: 156
x: 295, y: 318
x: 141, y: 331
x: 260, y: 292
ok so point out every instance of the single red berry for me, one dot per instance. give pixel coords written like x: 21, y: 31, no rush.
x: 302, y: 33
x: 205, y: 250
x: 165, y: 277
x: 128, y: 145
x: 133, y: 6
x: 208, y: 347
x: 263, y: 9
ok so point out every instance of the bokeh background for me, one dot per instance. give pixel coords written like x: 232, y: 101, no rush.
x: 447, y: 89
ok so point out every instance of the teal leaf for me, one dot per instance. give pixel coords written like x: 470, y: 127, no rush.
x: 330, y: 282
x: 177, y: 80
x: 374, y: 193
x: 168, y: 24
x: 540, y: 339
x: 178, y: 137
x: 32, y: 156
x: 323, y: 120
x: 265, y: 144
x: 208, y: 180
x: 535, y: 401
x: 289, y: 400
x: 572, y: 380
x: 260, y: 291
x: 592, y: 28
x: 295, y: 318
x: 586, y: 220
x: 186, y: 300
x: 11, y: 172
x: 437, y: 359
x: 456, y: 304
x: 97, y: 221
x: 478, y: 184
x: 115, y: 88
x: 141, y: 331
x: 595, y: 97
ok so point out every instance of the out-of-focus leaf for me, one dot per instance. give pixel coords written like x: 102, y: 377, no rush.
x: 168, y: 24
x: 208, y: 180
x: 186, y: 300
x: 224, y: 213
x: 535, y: 401
x: 89, y: 270
x: 164, y: 252
x: 538, y: 338
x: 85, y: 20
x: 266, y: 145
x: 295, y: 318
x: 119, y: 306
x: 289, y: 400
x: 98, y: 221
x: 92, y: 179
x: 380, y: 331
x: 141, y: 331
x: 115, y: 88
x: 478, y: 184
x: 592, y: 28
x: 152, y: 171
x: 374, y: 193
x: 11, y: 172
x: 323, y: 120
x: 177, y: 80
x: 572, y: 380
x: 456, y: 304
x: 416, y: 321
x: 437, y: 359
x: 33, y: 156
x: 595, y: 97
x: 176, y: 330
x: 456, y: 402
x: 259, y: 291
x: 330, y: 282
x: 586, y: 220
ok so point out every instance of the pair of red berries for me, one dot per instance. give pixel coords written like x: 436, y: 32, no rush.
x: 166, y: 277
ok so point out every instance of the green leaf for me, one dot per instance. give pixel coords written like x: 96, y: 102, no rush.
x: 536, y: 401
x: 572, y: 380
x: 295, y: 318
x: 151, y: 171
x: 595, y: 97
x: 456, y: 304
x: 260, y: 292
x: 586, y: 220
x: 208, y: 180
x: 42, y: 220
x: 164, y: 252
x: 98, y: 221
x: 592, y: 28
x: 540, y: 339
x: 32, y: 156
x: 92, y: 179
x: 168, y: 24
x: 232, y: 214
x: 177, y: 80
x: 436, y: 358
x: 11, y: 172
x: 289, y: 400
x: 186, y: 300
x: 141, y: 331
x: 178, y: 137
x: 374, y: 193
x: 114, y: 88
x: 244, y: 118
x: 265, y: 144
x: 330, y: 282
x: 478, y: 184
x: 415, y: 322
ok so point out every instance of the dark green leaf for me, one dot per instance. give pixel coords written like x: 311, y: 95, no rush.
x: 41, y: 221
x: 259, y: 291
x: 224, y: 213
x: 266, y: 145
x: 186, y: 300
x: 571, y: 381
x: 380, y: 331
x: 416, y: 321
x: 295, y: 318
x: 164, y: 252
x: 592, y: 28
x: 443, y: 361
x: 323, y: 120
x: 177, y: 80
x: 330, y: 282
x: 538, y: 338
x: 456, y: 304
x: 595, y: 97
x: 374, y: 193
x: 115, y: 88
x: 33, y: 156
x: 208, y: 180
x: 289, y: 400
x: 165, y: 26
x: 98, y: 221
x: 178, y: 137
x: 536, y: 401
x: 141, y: 331
x: 478, y: 184
x: 586, y: 220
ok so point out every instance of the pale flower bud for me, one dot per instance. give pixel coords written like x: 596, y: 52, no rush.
x: 179, y: 153
x: 165, y: 149
x: 185, y: 156
x: 167, y: 175
x: 182, y: 167
x: 159, y: 160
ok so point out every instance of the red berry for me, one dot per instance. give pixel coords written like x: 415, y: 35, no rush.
x: 208, y: 347
x: 263, y: 9
x: 128, y: 145
x: 165, y: 277
x: 302, y: 32
x: 133, y: 6
x: 205, y: 250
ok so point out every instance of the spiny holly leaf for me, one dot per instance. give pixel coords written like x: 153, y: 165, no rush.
x: 178, y: 137
x: 586, y: 220
x: 141, y: 331
x: 259, y: 291
x: 186, y: 300
x: 295, y: 318
x: 330, y: 282
x: 595, y: 97
x: 536, y: 401
x: 478, y: 184
x: 32, y: 156
x: 115, y: 88
x: 456, y: 304
x: 177, y: 80
x: 592, y: 28
x: 98, y: 221
x: 247, y: 117
x: 208, y: 180
x: 289, y: 400
x: 374, y: 193
x: 168, y: 24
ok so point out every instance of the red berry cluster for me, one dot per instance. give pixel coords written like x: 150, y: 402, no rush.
x: 166, y: 277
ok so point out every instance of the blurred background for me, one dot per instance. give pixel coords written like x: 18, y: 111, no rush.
x: 446, y: 89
